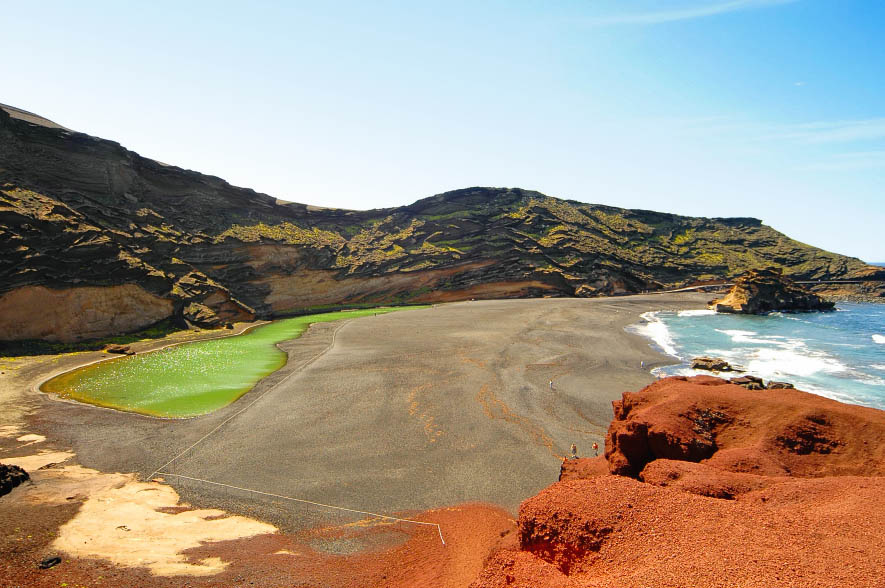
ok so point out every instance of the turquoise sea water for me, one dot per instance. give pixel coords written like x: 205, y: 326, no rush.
x: 839, y: 354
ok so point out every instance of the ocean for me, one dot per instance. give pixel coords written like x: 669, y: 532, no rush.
x: 840, y: 355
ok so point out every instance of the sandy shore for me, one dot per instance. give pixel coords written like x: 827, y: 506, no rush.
x: 398, y: 413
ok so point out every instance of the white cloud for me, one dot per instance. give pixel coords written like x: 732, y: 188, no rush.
x: 685, y: 12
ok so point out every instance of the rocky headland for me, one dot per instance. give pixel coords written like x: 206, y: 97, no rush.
x: 104, y: 241
x: 705, y: 483
x: 760, y: 291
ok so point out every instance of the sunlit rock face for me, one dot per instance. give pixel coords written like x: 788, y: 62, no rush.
x: 78, y: 313
x: 768, y: 290
x: 79, y: 211
x: 704, y: 483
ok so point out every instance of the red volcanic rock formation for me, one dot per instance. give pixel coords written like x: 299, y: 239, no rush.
x: 774, y: 433
x: 718, y: 486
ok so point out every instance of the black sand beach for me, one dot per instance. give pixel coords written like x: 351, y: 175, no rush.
x: 391, y: 414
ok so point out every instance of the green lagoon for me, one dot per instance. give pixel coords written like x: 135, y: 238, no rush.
x: 192, y: 378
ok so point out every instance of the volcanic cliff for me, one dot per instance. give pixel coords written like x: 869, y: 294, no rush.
x: 98, y: 240
x: 705, y: 483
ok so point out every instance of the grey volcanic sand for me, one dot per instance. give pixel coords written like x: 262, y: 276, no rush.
x: 396, y: 413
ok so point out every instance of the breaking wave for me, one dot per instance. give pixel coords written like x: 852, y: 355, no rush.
x: 655, y: 329
x: 821, y: 353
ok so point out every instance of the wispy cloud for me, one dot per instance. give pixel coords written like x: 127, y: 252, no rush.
x: 850, y: 162
x: 842, y: 131
x: 684, y: 12
x: 828, y: 146
x: 822, y: 132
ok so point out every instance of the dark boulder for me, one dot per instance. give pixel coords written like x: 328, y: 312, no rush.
x: 119, y: 349
x: 712, y: 364
x: 749, y: 382
x: 10, y: 477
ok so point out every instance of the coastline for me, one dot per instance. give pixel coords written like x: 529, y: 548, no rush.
x: 836, y: 355
x: 514, y: 434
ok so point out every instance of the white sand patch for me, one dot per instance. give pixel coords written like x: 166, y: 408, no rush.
x: 119, y: 521
x: 30, y: 463
x: 61, y: 485
x: 285, y: 552
x: 31, y: 438
x: 9, y: 430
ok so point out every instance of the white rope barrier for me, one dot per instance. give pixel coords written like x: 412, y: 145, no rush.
x: 302, y: 500
x: 248, y: 406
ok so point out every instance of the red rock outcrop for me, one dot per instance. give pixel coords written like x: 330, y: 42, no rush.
x: 721, y: 486
x: 782, y: 433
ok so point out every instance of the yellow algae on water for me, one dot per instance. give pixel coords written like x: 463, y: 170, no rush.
x: 190, y: 379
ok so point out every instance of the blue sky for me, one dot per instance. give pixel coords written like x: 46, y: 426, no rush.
x: 766, y: 108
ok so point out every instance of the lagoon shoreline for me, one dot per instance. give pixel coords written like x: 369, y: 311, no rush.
x: 400, y: 413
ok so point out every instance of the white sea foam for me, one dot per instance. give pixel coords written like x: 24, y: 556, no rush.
x: 817, y: 354
x: 681, y: 370
x: 868, y: 379
x: 723, y: 353
x: 783, y: 362
x: 696, y: 312
x: 739, y: 336
x: 655, y: 329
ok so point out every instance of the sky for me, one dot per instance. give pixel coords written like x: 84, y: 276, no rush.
x: 773, y: 109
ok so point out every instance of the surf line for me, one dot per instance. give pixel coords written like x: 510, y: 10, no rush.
x: 302, y: 500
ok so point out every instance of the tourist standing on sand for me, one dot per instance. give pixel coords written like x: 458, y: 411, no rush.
x: 574, y: 451
x: 595, y: 449
x: 551, y: 384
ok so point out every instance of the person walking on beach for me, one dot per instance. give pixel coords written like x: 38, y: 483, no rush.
x: 574, y: 451
x: 551, y: 384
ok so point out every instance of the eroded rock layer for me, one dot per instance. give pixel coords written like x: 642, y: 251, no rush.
x: 78, y: 211
x: 768, y: 290
x: 705, y: 483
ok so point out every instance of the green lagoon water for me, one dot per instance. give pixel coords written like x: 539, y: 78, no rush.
x: 189, y: 379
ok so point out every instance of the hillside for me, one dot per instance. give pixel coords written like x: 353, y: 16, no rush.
x: 98, y: 240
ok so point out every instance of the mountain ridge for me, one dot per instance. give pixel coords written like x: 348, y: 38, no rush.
x: 80, y: 212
